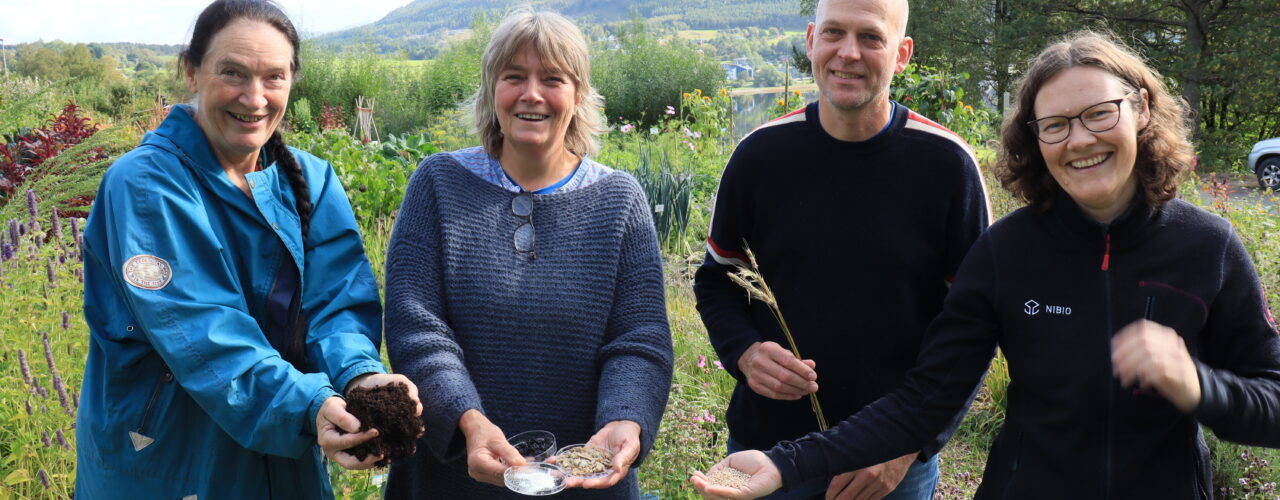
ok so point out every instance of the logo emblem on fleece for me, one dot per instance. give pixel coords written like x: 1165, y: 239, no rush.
x: 1032, y: 308
x: 147, y: 272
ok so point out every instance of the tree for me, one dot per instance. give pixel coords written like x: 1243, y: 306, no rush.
x: 1219, y: 54
x: 767, y: 75
x: 645, y: 75
x: 39, y: 61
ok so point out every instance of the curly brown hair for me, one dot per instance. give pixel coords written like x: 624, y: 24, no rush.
x: 1164, y: 149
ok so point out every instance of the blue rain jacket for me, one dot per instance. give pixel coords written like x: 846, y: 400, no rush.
x: 183, y: 394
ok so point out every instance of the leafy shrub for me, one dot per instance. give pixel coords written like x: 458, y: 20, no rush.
x: 940, y: 97
x: 375, y: 180
x: 407, y: 93
x: 450, y: 130
x: 454, y: 75
x: 28, y: 101
x: 1222, y: 150
x: 645, y: 75
x: 300, y: 117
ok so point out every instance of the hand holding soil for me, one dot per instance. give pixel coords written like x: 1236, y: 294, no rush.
x: 337, y: 430
x: 391, y: 410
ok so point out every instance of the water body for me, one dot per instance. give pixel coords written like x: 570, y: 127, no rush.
x: 751, y: 111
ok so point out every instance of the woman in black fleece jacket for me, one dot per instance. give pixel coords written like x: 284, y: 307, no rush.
x: 1128, y: 318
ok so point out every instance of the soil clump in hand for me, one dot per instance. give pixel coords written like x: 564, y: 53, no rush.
x: 389, y: 409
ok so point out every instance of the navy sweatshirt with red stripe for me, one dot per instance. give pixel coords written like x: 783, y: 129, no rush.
x: 1051, y: 289
x: 858, y: 241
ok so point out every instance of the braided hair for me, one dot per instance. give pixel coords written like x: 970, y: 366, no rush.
x: 212, y: 20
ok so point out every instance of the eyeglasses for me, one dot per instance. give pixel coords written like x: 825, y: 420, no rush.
x: 1100, y: 117
x: 523, y: 240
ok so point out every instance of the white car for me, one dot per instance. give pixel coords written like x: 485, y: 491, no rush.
x: 1264, y: 160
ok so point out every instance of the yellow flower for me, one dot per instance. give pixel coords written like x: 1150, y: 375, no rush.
x: 724, y: 91
x: 960, y: 104
x: 686, y: 95
x: 796, y: 92
x: 706, y: 99
x: 781, y: 102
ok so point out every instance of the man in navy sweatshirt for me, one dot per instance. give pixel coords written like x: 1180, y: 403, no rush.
x: 859, y: 212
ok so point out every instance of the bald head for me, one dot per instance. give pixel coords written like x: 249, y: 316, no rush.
x: 895, y: 12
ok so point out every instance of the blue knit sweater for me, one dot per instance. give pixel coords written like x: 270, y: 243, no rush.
x: 566, y: 342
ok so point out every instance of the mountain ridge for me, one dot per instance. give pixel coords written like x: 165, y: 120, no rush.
x: 419, y: 26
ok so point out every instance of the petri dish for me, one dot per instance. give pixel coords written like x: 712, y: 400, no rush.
x: 534, y: 446
x: 567, y: 471
x: 535, y: 479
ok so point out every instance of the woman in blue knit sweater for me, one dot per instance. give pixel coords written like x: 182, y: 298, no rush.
x: 524, y: 282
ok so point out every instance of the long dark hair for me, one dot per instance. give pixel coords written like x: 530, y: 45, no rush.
x: 212, y: 20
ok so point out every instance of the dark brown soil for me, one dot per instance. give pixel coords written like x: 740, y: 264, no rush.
x: 388, y: 409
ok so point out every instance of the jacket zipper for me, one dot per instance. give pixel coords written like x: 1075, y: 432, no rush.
x: 155, y: 392
x: 1106, y: 285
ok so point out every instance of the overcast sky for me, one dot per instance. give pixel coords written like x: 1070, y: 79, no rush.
x: 161, y: 21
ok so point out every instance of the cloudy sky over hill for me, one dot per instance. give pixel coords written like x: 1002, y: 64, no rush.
x: 160, y: 21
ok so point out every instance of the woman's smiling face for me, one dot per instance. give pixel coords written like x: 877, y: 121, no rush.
x: 242, y: 87
x: 1094, y: 168
x: 534, y: 103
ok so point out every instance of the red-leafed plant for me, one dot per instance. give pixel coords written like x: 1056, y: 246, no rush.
x: 331, y: 117
x: 24, y: 150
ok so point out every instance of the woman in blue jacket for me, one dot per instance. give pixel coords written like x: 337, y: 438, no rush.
x: 227, y: 292
x: 1129, y: 318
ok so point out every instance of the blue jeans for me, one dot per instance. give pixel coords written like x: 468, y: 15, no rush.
x: 918, y: 484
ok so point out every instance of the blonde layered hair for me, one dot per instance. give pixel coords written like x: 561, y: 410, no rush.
x: 1164, y: 149
x: 561, y: 46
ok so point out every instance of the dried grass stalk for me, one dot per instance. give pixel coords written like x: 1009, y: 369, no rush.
x: 750, y: 279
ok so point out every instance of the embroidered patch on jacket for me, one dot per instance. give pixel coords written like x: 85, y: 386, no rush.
x: 140, y: 441
x: 147, y: 272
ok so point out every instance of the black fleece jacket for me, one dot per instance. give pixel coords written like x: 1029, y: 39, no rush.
x: 1050, y: 289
